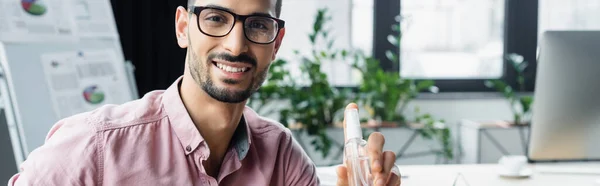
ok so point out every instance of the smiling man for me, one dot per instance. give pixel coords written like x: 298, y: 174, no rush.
x: 199, y: 130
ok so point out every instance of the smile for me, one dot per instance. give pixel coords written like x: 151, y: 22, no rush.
x: 231, y: 69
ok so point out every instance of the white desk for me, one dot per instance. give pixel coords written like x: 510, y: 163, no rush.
x: 485, y: 175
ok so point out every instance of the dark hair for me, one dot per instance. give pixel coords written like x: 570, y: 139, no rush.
x: 277, y: 6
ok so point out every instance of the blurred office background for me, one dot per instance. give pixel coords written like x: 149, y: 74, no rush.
x: 459, y: 45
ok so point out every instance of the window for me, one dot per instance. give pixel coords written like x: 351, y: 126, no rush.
x: 459, y: 43
x: 299, y: 16
x: 452, y: 39
x: 574, y: 15
x: 362, y: 25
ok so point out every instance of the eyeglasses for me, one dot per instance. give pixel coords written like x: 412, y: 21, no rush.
x: 216, y: 22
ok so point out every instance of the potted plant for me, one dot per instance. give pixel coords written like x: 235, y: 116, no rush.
x: 316, y: 105
x: 520, y: 105
x: 313, y: 101
x: 386, y: 94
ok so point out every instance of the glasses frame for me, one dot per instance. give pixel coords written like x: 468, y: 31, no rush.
x: 197, y: 9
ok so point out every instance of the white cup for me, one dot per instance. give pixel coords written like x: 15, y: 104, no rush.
x: 512, y: 164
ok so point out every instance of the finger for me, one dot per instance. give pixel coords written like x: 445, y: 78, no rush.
x: 342, y: 173
x: 395, y: 176
x: 389, y: 158
x: 348, y: 107
x: 374, y: 148
x: 394, y: 180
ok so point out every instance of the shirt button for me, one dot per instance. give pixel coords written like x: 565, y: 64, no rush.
x: 204, y: 181
x: 188, y: 148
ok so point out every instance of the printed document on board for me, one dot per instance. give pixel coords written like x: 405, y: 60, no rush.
x: 80, y: 81
x: 25, y: 21
x: 94, y: 19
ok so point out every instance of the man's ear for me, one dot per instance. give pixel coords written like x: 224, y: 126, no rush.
x: 278, y: 41
x: 181, y: 26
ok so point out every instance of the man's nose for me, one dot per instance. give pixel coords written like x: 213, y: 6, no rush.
x: 235, y: 42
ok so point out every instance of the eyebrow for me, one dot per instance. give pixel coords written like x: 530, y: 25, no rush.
x: 229, y: 10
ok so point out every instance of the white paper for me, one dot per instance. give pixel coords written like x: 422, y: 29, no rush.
x: 94, y: 19
x: 80, y: 81
x: 36, y: 21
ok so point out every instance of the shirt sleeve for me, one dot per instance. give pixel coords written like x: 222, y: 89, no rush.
x: 300, y: 170
x: 69, y: 156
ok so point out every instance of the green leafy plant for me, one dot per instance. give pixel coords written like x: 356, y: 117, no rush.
x: 313, y: 101
x: 520, y: 105
x: 277, y: 88
x: 434, y: 129
x: 386, y: 94
x: 314, y: 106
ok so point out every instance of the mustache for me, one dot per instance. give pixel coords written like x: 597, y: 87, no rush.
x: 242, y: 58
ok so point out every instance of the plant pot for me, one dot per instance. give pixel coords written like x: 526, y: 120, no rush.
x: 382, y: 124
x: 510, y: 123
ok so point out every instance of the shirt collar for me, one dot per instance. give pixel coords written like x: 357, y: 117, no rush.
x: 241, y: 139
x: 186, y: 130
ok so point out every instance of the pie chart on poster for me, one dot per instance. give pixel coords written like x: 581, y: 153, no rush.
x: 34, y: 7
x: 93, y: 95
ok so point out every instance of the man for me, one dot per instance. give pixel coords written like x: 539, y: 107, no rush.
x: 198, y: 131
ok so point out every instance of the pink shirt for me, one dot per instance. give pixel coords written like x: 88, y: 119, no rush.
x: 153, y: 141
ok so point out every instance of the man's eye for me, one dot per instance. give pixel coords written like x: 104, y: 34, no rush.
x: 258, y: 25
x: 216, y: 19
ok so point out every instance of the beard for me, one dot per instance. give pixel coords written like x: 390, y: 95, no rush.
x: 201, y: 74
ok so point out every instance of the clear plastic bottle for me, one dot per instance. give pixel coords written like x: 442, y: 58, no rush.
x: 355, y: 152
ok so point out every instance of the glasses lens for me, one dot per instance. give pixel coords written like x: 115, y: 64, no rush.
x: 261, y: 29
x: 215, y: 22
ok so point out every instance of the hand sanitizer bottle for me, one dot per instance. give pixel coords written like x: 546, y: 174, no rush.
x: 355, y: 152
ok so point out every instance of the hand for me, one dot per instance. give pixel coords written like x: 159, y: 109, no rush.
x: 382, y: 162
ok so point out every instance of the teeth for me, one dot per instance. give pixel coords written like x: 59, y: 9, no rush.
x: 231, y: 69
